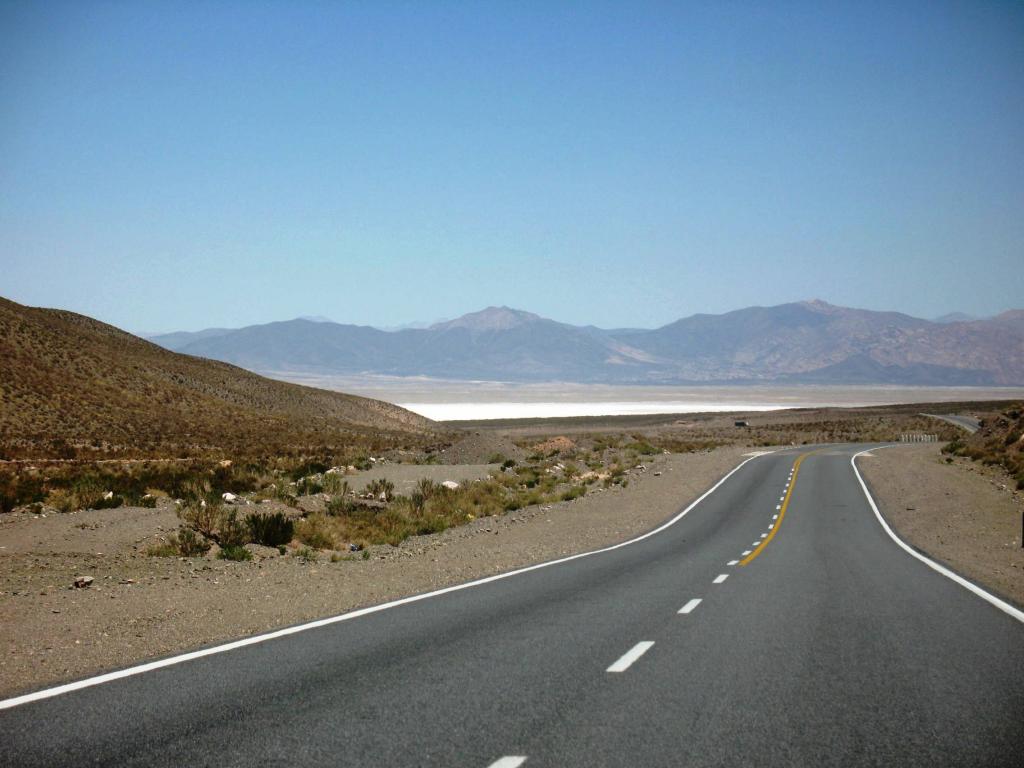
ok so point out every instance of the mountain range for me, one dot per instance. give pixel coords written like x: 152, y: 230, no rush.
x: 803, y: 342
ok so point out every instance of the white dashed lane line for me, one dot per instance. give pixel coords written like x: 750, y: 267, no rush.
x: 627, y: 659
x: 509, y: 761
x: 733, y: 562
x: 720, y: 578
x: 690, y: 605
x: 745, y: 552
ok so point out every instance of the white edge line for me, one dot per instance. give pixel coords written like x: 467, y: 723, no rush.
x: 968, y: 585
x: 139, y: 669
x: 626, y: 660
x: 509, y: 761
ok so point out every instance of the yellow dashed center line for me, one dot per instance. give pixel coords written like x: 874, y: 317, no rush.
x: 782, y: 513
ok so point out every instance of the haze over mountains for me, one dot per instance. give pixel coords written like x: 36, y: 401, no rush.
x: 804, y: 342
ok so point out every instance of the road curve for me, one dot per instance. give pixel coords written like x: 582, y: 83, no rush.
x: 776, y: 623
x: 964, y: 422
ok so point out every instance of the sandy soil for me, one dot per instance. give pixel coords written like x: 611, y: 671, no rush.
x: 141, y: 607
x: 963, y: 514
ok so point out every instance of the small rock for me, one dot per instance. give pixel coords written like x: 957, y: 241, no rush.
x: 81, y: 582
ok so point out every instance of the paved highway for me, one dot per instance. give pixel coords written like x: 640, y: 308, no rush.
x: 776, y: 623
x: 964, y: 422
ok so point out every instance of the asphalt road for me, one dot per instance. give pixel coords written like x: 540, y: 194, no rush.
x: 964, y: 422
x: 825, y: 644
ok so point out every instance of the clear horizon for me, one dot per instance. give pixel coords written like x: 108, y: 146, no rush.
x: 179, y: 167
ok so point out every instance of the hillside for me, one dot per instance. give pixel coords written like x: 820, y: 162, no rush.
x: 804, y: 342
x: 70, y: 383
x: 999, y: 440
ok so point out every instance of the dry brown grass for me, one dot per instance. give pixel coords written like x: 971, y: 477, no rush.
x: 72, y: 387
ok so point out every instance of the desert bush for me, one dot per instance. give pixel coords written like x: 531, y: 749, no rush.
x: 431, y: 524
x: 335, y: 484
x: 270, y: 530
x: 382, y: 487
x: 340, y: 505
x: 234, y: 552
x: 306, y: 554
x: 17, y: 488
x: 418, y: 502
x: 308, y: 486
x: 185, y: 543
x: 190, y: 543
x: 642, y: 447
x: 61, y: 499
x: 316, y: 531
x: 574, y: 493
x: 107, y: 502
x: 231, y: 531
x: 213, y: 522
x: 429, y: 488
x: 167, y: 549
x: 201, y: 516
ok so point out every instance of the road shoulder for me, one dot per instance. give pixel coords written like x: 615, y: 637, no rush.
x: 957, y: 512
x: 141, y: 608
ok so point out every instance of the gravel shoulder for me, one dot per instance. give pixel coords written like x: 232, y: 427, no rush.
x: 141, y: 607
x: 960, y: 513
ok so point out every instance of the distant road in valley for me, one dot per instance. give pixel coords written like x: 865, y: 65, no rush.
x: 775, y: 623
x: 964, y: 422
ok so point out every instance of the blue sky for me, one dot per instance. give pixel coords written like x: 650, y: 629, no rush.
x: 184, y: 165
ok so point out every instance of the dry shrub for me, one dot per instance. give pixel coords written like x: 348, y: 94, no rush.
x: 316, y: 531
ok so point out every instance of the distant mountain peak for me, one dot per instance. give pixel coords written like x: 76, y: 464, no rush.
x: 314, y: 319
x: 490, y: 319
x: 818, y: 305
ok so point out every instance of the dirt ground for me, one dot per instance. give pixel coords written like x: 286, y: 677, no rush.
x: 960, y: 513
x: 141, y: 607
